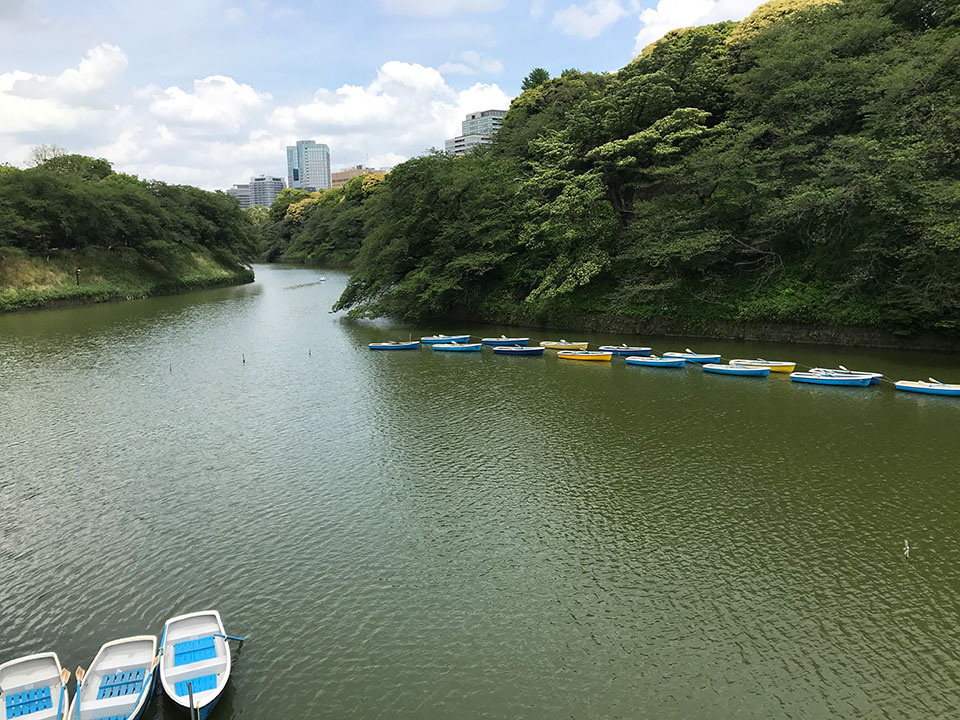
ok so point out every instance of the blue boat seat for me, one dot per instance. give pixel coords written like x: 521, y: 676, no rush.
x: 200, y: 684
x: 24, y: 703
x: 121, y: 683
x: 191, y: 651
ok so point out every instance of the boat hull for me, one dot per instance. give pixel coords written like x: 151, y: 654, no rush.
x: 202, y: 642
x: 656, y: 362
x: 505, y: 341
x: 125, y: 699
x: 395, y: 346
x: 835, y: 380
x: 736, y: 370
x: 518, y: 350
x: 778, y: 366
x: 928, y: 388
x: 626, y: 351
x: 42, y: 672
x: 585, y: 355
x: 875, y: 378
x: 433, y: 339
x: 554, y: 345
x: 693, y: 357
x: 457, y: 347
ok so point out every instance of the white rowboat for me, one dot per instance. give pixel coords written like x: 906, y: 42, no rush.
x: 34, y: 687
x: 195, y: 658
x: 119, y: 682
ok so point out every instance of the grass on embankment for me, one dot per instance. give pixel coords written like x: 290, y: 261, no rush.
x: 29, y: 281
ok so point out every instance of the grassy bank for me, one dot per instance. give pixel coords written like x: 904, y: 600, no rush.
x: 29, y: 281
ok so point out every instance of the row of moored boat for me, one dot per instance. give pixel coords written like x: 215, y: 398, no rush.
x: 192, y: 660
x: 635, y: 355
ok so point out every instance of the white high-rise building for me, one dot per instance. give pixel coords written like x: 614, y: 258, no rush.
x: 308, y: 165
x: 241, y: 193
x: 264, y: 189
x: 477, y: 129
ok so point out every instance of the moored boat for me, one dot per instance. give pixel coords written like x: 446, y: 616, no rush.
x: 195, y: 660
x: 395, y: 345
x: 34, y: 687
x: 874, y: 376
x: 504, y: 340
x: 457, y: 347
x: 780, y: 366
x: 933, y: 387
x: 517, y: 350
x: 431, y: 339
x: 119, y: 681
x: 563, y: 345
x: 654, y: 361
x: 626, y: 350
x: 740, y: 370
x: 693, y: 357
x: 829, y: 379
x: 584, y: 355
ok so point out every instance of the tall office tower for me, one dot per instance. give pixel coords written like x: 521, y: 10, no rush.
x: 264, y: 189
x: 242, y: 194
x: 308, y: 165
x: 478, y: 129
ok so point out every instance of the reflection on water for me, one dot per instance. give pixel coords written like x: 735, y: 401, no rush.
x: 420, y: 534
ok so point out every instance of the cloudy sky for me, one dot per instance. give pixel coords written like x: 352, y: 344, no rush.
x: 208, y: 92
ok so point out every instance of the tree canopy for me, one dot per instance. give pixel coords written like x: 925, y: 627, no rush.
x: 536, y: 78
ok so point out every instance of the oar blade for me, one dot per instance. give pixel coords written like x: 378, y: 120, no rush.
x: 64, y: 676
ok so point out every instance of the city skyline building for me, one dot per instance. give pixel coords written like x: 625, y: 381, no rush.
x: 477, y: 129
x: 261, y: 190
x: 339, y: 178
x: 308, y: 165
x: 241, y: 193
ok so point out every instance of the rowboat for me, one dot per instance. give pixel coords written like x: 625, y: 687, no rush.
x: 690, y: 355
x: 195, y: 661
x: 517, y: 350
x: 504, y: 340
x: 395, y: 345
x: 874, y: 377
x: 625, y: 350
x: 780, y: 366
x: 120, y: 680
x: 740, y: 370
x: 654, y: 361
x: 431, y: 339
x: 933, y: 387
x: 584, y: 355
x: 563, y: 345
x: 829, y: 379
x: 34, y: 687
x: 458, y: 347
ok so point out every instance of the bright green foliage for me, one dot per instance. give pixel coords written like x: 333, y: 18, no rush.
x: 802, y: 166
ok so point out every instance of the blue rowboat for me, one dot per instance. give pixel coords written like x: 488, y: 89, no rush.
x: 120, y: 680
x: 458, y: 347
x: 431, y: 339
x: 654, y: 361
x: 395, y: 345
x: 195, y: 661
x: 693, y: 357
x: 742, y: 371
x: 517, y: 350
x: 875, y: 378
x: 934, y: 387
x: 626, y: 350
x: 830, y: 379
x: 504, y: 340
x: 34, y: 686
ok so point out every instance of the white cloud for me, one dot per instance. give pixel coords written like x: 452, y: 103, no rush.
x: 440, y: 8
x: 217, y: 105
x: 672, y: 14
x: 470, y: 62
x: 221, y: 131
x: 590, y: 19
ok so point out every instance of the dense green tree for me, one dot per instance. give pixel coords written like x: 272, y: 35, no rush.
x: 536, y: 78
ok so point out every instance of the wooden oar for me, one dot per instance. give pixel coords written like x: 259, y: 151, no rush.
x: 148, y: 681
x: 80, y: 675
x: 64, y: 679
x: 934, y: 381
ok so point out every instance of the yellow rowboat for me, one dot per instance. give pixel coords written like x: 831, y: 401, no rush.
x: 563, y: 345
x: 584, y: 355
x: 782, y: 366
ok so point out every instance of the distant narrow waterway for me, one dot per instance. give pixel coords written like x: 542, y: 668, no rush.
x: 427, y: 535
